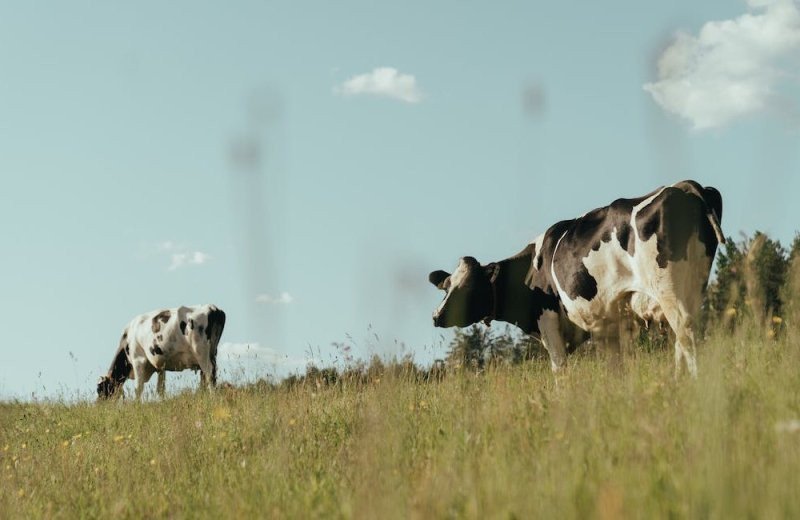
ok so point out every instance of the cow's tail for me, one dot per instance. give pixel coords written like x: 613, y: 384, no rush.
x: 714, y: 221
x: 216, y: 323
x: 713, y: 200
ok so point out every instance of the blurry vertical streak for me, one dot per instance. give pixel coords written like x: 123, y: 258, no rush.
x: 258, y: 198
x: 402, y: 275
x: 411, y: 291
x: 531, y: 170
x: 534, y: 100
x: 671, y: 159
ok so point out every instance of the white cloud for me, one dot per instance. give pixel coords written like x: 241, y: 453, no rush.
x: 282, y: 299
x: 732, y: 68
x: 180, y: 255
x: 383, y: 82
x: 188, y: 258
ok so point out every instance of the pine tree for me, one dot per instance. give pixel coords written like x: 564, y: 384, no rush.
x: 466, y: 348
x: 767, y: 266
x: 727, y: 292
x: 751, y: 278
x: 790, y: 292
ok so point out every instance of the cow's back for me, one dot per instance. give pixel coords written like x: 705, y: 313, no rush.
x: 676, y: 217
x: 624, y: 248
x: 171, y: 338
x: 602, y: 237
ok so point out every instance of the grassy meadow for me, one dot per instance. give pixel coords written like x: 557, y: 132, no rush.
x: 508, y: 442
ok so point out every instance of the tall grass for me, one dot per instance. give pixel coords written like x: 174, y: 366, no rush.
x: 507, y: 442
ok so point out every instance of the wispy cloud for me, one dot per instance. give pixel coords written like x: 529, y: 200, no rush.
x: 179, y: 260
x: 385, y: 82
x: 181, y: 255
x: 283, y: 298
x: 732, y: 68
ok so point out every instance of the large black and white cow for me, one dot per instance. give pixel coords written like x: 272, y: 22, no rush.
x: 166, y: 340
x: 651, y: 254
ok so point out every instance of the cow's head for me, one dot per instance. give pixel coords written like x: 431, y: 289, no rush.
x: 110, y: 385
x: 468, y: 293
x: 107, y: 388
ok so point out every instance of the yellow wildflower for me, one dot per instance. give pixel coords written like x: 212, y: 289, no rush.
x: 777, y: 320
x: 221, y: 413
x: 730, y: 311
x: 119, y: 438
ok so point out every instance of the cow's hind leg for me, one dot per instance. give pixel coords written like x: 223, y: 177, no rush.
x: 205, y: 361
x: 207, y: 374
x: 549, y: 327
x: 144, y: 371
x: 680, y: 303
x: 161, y: 384
x: 685, y: 342
x: 681, y: 296
x: 681, y: 324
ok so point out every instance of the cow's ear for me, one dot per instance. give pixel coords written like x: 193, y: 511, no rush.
x: 438, y: 278
x: 492, y: 270
x: 470, y: 261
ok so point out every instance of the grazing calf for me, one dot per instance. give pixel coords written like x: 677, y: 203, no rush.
x: 169, y: 339
x: 651, y: 254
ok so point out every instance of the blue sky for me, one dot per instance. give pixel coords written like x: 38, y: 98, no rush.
x: 304, y: 165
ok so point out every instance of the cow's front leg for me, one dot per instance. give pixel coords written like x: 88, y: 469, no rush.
x: 552, y: 339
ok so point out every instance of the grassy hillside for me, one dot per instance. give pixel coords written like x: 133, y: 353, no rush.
x: 508, y: 442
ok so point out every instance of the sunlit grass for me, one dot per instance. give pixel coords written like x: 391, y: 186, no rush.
x: 508, y: 442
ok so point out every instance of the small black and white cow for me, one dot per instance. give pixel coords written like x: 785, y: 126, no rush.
x: 166, y: 340
x: 651, y: 254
